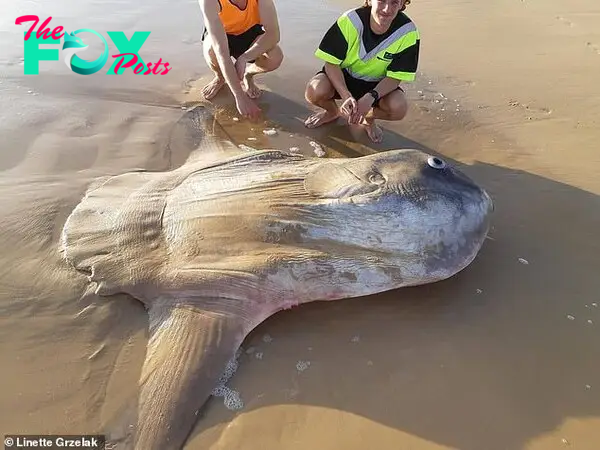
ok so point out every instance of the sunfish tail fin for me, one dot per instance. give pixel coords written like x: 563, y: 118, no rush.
x: 188, y: 351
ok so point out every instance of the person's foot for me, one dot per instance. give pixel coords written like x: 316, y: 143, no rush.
x: 251, y: 89
x: 373, y: 130
x: 212, y: 88
x: 320, y: 118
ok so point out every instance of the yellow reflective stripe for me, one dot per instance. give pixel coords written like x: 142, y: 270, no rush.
x: 327, y: 57
x: 347, y: 28
x: 403, y: 76
x: 365, y: 65
x: 408, y: 40
x: 392, y: 40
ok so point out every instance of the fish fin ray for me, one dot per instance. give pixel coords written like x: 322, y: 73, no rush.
x: 188, y: 351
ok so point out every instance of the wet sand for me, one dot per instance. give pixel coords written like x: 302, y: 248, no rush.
x: 503, y: 356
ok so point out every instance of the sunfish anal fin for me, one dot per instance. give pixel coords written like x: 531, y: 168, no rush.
x: 188, y: 351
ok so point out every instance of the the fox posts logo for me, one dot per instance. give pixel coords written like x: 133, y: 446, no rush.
x: 127, y: 56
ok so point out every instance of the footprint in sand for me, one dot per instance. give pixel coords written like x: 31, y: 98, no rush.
x: 531, y: 111
x: 593, y: 47
x: 567, y: 22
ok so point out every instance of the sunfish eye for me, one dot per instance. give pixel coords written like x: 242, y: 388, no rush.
x: 436, y: 163
x: 376, y: 178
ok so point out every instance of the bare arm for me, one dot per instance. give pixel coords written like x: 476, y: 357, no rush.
x: 387, y: 85
x: 271, y: 36
x: 218, y: 38
x: 337, y: 79
x: 365, y: 103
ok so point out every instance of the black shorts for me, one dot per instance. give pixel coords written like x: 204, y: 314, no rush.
x: 357, y: 87
x: 239, y: 43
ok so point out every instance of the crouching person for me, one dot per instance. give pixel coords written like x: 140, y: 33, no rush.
x: 248, y: 32
x: 367, y: 52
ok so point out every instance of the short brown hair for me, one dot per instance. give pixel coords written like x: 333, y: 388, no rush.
x: 406, y: 3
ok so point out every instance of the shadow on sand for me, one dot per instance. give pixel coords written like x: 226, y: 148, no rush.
x: 288, y: 117
x: 487, y: 359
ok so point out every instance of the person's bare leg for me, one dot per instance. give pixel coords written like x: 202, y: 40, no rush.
x: 320, y: 92
x: 215, y: 85
x: 392, y: 106
x: 266, y: 62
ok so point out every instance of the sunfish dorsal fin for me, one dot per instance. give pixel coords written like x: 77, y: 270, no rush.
x: 199, y: 137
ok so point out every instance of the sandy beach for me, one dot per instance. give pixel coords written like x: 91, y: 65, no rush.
x: 504, y: 356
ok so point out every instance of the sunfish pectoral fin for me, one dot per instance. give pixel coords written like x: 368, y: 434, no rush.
x: 188, y: 351
x: 334, y: 180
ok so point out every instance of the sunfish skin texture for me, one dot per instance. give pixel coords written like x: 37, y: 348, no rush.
x: 221, y: 243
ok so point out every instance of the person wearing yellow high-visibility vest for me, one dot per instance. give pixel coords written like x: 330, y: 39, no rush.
x: 367, y: 52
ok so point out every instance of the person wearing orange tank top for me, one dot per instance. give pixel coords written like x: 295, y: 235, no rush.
x: 248, y: 32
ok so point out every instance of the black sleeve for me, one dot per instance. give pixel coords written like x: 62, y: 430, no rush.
x: 333, y: 46
x: 407, y: 61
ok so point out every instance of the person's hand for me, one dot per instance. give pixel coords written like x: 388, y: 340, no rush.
x: 348, y: 108
x: 240, y: 66
x: 365, y: 103
x: 247, y: 107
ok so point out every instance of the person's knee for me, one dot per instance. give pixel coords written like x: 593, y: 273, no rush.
x: 396, y: 105
x: 275, y: 57
x: 270, y: 60
x: 317, y: 90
